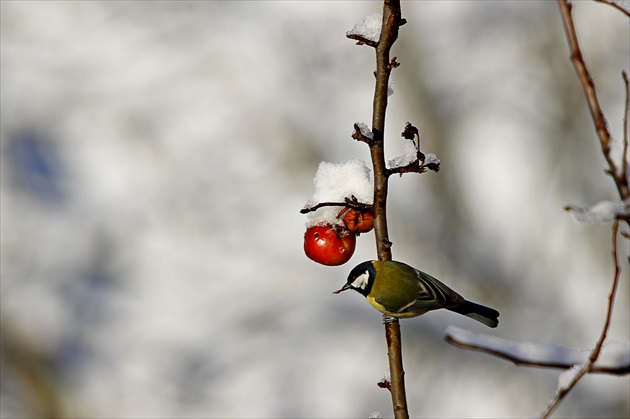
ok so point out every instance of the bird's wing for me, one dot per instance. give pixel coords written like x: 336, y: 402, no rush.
x: 433, y: 294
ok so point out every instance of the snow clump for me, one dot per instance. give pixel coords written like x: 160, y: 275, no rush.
x: 408, y: 156
x: 369, y: 27
x: 602, y: 212
x: 334, y: 182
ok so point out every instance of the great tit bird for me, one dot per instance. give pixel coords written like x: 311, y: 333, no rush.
x: 398, y: 290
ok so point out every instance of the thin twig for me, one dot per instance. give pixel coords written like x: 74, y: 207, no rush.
x: 361, y: 40
x: 587, y: 367
x: 359, y: 136
x: 348, y: 203
x: 393, y: 64
x: 417, y: 166
x: 413, y: 167
x: 625, y: 157
x: 601, y: 126
x: 616, y: 6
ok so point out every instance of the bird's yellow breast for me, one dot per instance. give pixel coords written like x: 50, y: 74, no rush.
x: 383, y: 310
x: 395, y: 290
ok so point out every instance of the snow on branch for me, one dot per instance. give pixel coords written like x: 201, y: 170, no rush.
x: 614, y: 359
x: 367, y: 30
x: 602, y: 212
x: 347, y: 184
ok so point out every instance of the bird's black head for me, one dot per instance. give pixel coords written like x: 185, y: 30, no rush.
x: 361, y: 278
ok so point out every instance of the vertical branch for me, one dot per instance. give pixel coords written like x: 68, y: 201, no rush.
x: 586, y: 368
x: 619, y: 175
x: 586, y: 80
x: 397, y: 373
x: 625, y: 157
x: 389, y: 33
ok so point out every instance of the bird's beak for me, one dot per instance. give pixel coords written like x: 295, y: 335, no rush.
x: 345, y: 287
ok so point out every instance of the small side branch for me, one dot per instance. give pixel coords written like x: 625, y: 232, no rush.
x: 360, y: 136
x: 348, y: 203
x: 393, y: 64
x: 362, y: 40
x: 420, y: 165
x: 616, y: 6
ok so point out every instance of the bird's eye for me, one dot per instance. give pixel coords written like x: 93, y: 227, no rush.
x: 361, y: 281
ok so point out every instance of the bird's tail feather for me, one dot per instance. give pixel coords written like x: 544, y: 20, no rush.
x: 483, y: 314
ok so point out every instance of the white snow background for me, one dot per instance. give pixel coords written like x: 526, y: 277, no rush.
x: 155, y: 156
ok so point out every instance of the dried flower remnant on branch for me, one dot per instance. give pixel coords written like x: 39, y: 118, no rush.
x: 413, y: 160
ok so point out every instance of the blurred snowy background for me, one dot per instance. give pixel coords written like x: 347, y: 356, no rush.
x: 155, y: 156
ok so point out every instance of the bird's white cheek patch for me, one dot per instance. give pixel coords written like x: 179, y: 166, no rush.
x: 361, y: 281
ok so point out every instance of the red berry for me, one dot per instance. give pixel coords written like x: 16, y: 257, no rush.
x: 329, y: 245
x: 359, y: 221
